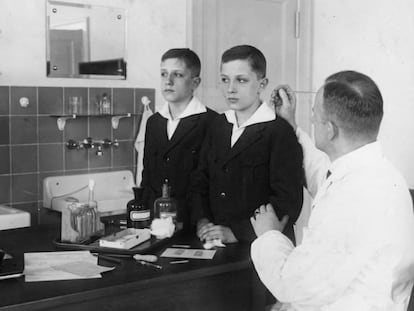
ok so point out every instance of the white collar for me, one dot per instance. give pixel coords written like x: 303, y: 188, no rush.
x: 263, y: 113
x: 193, y: 107
x: 355, y: 159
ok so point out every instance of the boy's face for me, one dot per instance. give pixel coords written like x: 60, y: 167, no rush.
x: 177, y: 83
x: 241, y: 86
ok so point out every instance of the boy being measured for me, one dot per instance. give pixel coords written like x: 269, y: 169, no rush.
x: 250, y: 157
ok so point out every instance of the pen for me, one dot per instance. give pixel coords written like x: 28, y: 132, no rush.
x: 148, y: 264
x: 181, y: 245
x: 178, y: 261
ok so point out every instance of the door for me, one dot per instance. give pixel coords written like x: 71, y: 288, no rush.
x: 66, y: 51
x: 270, y: 25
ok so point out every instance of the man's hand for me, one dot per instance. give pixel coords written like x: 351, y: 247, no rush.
x: 209, y: 231
x: 284, y: 100
x: 265, y: 219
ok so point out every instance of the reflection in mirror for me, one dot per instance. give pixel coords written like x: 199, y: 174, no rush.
x: 85, y: 41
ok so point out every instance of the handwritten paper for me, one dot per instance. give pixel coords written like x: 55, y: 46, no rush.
x: 188, y: 253
x: 54, y: 266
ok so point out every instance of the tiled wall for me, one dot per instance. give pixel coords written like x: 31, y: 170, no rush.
x: 32, y: 147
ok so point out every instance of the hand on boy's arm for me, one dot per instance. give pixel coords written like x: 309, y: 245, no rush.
x: 265, y: 219
x: 210, y: 231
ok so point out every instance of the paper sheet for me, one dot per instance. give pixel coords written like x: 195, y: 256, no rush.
x: 188, y: 253
x: 82, y: 268
x: 54, y: 266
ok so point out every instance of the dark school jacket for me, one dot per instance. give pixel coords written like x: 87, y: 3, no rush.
x: 264, y: 165
x: 173, y: 159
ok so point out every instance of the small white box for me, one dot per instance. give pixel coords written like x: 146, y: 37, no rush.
x: 11, y: 218
x: 125, y: 239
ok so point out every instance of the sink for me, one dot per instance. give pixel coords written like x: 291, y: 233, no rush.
x: 112, y: 191
x: 11, y: 218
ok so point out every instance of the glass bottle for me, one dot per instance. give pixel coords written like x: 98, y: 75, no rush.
x: 91, y: 197
x: 138, y: 215
x: 166, y: 206
x: 92, y: 209
x: 106, y: 104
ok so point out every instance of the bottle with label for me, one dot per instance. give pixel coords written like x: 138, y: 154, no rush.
x: 138, y: 215
x: 166, y: 206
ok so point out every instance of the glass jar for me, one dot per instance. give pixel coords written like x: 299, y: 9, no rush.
x: 166, y: 206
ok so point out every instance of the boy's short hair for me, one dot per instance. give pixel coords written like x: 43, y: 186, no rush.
x: 189, y: 57
x: 253, y: 55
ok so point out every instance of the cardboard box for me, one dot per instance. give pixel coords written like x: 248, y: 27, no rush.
x: 125, y: 239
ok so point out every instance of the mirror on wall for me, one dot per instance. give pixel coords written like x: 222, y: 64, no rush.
x: 85, y: 41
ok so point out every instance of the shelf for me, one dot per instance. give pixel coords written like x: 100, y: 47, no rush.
x: 61, y: 119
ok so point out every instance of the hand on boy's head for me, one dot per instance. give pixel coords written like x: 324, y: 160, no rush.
x: 265, y: 219
x: 284, y: 100
x: 283, y: 95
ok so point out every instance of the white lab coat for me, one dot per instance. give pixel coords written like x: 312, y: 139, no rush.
x: 357, y: 250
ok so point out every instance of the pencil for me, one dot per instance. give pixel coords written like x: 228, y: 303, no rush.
x: 181, y: 245
x: 148, y: 264
x: 178, y: 261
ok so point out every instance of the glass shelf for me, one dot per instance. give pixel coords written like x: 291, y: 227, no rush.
x: 61, y: 119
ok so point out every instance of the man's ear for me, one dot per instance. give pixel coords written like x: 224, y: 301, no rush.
x: 332, y: 130
x: 196, y: 82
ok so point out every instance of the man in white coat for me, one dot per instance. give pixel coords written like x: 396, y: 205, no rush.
x: 357, y: 249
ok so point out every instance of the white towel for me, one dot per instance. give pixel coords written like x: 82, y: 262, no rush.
x: 140, y: 140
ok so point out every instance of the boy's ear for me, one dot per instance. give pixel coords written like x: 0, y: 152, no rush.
x: 264, y: 83
x: 196, y: 82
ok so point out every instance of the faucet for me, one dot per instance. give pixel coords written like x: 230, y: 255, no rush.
x: 90, y: 143
x: 87, y: 143
x: 98, y: 150
x: 72, y: 144
x: 106, y: 143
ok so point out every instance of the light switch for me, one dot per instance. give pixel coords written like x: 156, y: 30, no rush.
x: 24, y: 102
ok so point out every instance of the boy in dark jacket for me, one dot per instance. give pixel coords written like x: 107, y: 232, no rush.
x: 249, y: 157
x: 174, y: 134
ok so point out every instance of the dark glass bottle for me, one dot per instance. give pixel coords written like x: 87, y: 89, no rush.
x: 138, y: 215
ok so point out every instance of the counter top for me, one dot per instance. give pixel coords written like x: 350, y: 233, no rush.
x: 221, y: 283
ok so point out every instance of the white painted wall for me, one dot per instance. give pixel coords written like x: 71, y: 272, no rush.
x: 375, y: 37
x: 372, y: 36
x: 152, y: 27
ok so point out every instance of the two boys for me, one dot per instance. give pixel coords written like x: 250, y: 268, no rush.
x: 249, y: 157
